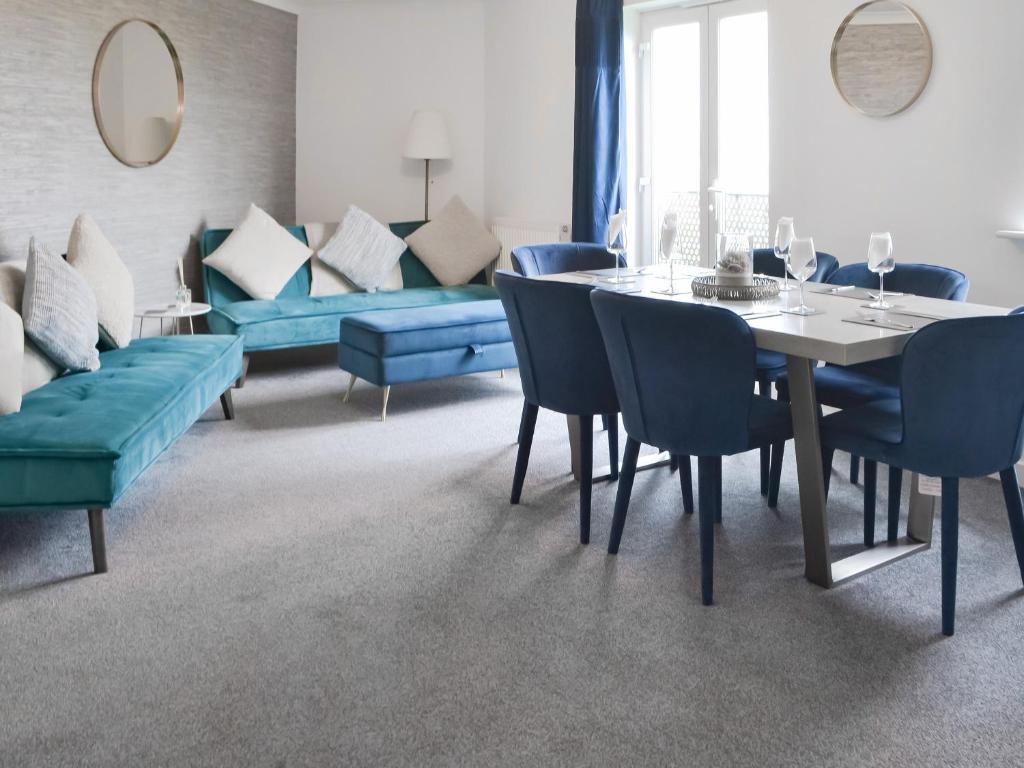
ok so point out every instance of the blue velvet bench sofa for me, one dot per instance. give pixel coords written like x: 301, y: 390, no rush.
x: 296, y: 319
x: 80, y: 441
x: 405, y: 345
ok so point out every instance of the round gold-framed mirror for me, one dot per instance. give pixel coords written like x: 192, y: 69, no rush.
x: 138, y: 93
x: 882, y: 58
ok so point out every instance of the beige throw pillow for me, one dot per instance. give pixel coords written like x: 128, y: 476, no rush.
x: 95, y: 259
x: 327, y: 281
x: 260, y: 256
x: 12, y: 350
x: 36, y: 368
x: 456, y: 245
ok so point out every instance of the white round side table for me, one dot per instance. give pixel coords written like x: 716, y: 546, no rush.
x: 175, y: 315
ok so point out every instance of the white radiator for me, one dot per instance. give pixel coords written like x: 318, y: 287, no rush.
x: 512, y: 234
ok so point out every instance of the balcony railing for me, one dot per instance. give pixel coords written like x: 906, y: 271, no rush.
x: 736, y: 213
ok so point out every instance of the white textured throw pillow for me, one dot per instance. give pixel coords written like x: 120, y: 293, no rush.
x: 327, y: 281
x: 260, y: 256
x: 36, y: 368
x: 12, y: 350
x: 363, y: 250
x: 59, y: 311
x: 455, y: 245
x: 97, y: 261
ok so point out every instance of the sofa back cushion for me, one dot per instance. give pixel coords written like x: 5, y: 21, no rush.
x: 219, y: 290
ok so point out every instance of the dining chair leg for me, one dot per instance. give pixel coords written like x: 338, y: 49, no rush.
x: 950, y: 543
x: 707, y: 481
x: 854, y: 469
x: 870, y: 489
x: 1015, y: 511
x: 685, y: 482
x: 586, y: 475
x: 626, y: 475
x: 895, y: 497
x: 605, y: 419
x: 526, y: 428
x: 522, y: 421
x: 718, y: 489
x: 673, y: 463
x: 612, y: 425
x: 775, y: 474
x: 764, y: 388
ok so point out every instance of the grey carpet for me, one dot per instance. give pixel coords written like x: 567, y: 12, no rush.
x: 306, y: 587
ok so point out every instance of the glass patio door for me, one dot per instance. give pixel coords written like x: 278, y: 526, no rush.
x: 703, y: 148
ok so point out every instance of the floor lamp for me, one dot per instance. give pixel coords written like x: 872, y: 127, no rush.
x: 427, y: 140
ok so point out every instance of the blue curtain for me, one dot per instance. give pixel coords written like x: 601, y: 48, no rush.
x: 599, y: 155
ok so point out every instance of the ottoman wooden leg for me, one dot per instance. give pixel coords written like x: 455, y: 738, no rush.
x: 384, y: 404
x: 351, y: 384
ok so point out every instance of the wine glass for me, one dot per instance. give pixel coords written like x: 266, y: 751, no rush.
x: 881, y: 262
x: 669, y: 252
x: 616, y: 244
x: 784, y: 234
x: 802, y: 263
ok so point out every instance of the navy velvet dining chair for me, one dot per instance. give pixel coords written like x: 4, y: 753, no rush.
x: 772, y: 365
x: 959, y: 414
x: 563, y: 367
x: 683, y: 375
x: 848, y: 386
x: 549, y: 259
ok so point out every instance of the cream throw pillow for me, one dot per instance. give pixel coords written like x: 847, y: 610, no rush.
x: 12, y: 350
x: 363, y: 250
x: 260, y: 256
x: 97, y: 261
x: 328, y: 281
x: 36, y: 368
x: 456, y: 245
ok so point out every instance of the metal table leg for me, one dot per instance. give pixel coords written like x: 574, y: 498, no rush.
x: 807, y: 439
x: 819, y: 567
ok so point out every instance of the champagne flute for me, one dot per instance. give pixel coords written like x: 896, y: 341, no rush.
x: 616, y: 245
x: 669, y: 253
x: 802, y: 263
x: 785, y: 232
x: 881, y: 262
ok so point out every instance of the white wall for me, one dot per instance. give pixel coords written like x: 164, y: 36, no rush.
x: 363, y: 67
x: 530, y: 103
x: 943, y: 176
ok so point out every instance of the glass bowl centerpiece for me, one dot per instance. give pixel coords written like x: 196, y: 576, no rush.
x: 735, y: 264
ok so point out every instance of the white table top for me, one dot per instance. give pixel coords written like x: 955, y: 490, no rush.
x: 823, y: 336
x: 195, y: 309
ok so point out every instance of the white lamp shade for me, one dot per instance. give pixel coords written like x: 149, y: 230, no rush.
x: 428, y: 137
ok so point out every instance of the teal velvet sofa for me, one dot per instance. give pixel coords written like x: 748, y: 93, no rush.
x: 296, y: 319
x: 80, y: 441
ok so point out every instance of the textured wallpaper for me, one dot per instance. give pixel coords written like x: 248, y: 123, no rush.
x: 237, y: 141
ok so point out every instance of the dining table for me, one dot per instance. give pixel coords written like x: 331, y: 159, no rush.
x: 844, y: 330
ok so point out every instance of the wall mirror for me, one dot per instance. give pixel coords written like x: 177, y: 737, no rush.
x: 882, y: 58
x: 138, y: 93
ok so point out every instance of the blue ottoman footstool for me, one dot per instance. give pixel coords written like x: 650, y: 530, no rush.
x: 398, y: 346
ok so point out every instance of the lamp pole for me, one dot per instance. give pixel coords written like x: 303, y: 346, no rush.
x: 426, y: 191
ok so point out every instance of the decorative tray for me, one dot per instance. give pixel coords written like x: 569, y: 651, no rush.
x: 709, y: 288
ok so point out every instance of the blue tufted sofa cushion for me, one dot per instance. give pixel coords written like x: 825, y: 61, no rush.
x: 81, y: 440
x: 312, y: 320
